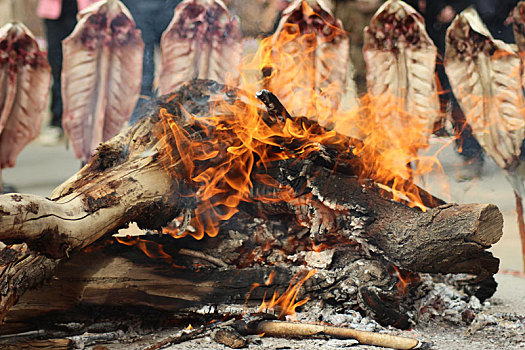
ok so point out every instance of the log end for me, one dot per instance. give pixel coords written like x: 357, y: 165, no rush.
x: 451, y: 238
x: 464, y: 234
x: 489, y: 225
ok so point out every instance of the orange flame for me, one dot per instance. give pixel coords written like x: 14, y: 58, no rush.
x: 286, y: 302
x: 270, y: 278
x: 152, y: 249
x: 234, y: 138
x: 406, y: 278
x: 319, y: 247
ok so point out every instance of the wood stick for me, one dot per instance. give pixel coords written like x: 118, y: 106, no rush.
x: 521, y: 225
x: 293, y: 329
x: 178, y: 338
x: 274, y: 107
x: 185, y: 335
x: 56, y: 344
x: 202, y: 256
x: 12, y: 6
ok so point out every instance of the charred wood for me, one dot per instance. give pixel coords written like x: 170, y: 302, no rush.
x: 141, y: 175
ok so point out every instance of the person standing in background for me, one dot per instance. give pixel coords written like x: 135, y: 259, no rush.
x: 356, y: 15
x: 59, y: 21
x: 152, y: 17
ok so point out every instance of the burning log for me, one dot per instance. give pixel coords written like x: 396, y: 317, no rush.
x: 304, y: 181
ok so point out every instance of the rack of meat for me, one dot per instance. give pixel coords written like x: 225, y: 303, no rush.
x: 202, y: 42
x: 25, y: 76
x: 486, y: 77
x: 401, y: 80
x: 101, y: 75
x: 307, y: 63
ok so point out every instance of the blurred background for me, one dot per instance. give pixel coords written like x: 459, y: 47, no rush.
x: 23, y: 11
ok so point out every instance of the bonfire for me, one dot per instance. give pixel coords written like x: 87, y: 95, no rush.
x: 272, y: 190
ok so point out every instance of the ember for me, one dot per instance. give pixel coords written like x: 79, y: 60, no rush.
x: 286, y: 303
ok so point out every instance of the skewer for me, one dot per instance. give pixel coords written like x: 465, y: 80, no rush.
x: 295, y: 329
x: 521, y: 224
x: 13, y: 7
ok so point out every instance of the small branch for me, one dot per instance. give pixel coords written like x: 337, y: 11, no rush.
x: 185, y: 335
x: 274, y: 107
x: 179, y: 337
x: 293, y: 329
x: 88, y: 339
x: 13, y: 10
x: 57, y: 344
x: 202, y: 256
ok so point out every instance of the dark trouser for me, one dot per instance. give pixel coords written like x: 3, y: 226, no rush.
x: 56, y: 31
x: 151, y: 17
x: 466, y: 144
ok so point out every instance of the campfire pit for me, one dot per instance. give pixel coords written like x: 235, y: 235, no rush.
x: 287, y: 199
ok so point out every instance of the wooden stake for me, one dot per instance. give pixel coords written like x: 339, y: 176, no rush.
x: 202, y: 256
x: 13, y: 10
x: 521, y: 225
x: 293, y: 329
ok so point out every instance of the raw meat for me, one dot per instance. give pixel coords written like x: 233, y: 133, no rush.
x: 485, y: 75
x: 308, y: 64
x: 25, y: 77
x: 400, y: 59
x: 202, y: 41
x: 101, y: 75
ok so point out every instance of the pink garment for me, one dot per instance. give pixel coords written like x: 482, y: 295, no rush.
x: 51, y: 9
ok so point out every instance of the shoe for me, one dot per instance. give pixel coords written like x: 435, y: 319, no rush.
x: 51, y: 135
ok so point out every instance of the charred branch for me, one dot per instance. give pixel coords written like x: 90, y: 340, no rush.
x: 299, y: 330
